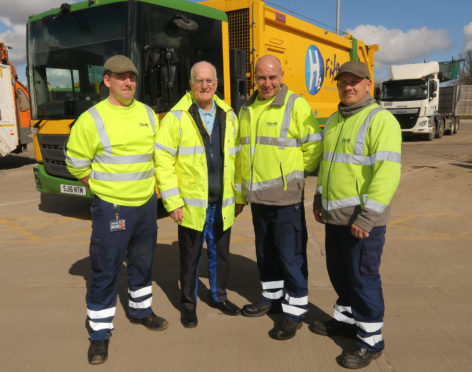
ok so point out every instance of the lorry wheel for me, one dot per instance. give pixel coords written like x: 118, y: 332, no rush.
x: 439, y: 129
x: 453, y: 127
x: 430, y: 136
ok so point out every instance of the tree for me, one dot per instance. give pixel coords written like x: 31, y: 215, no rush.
x: 465, y: 75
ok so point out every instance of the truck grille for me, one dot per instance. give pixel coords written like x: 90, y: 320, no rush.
x: 239, y: 38
x: 52, y: 151
x: 407, y: 121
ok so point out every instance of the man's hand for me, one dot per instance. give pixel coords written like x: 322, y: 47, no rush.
x: 85, y: 181
x: 317, y: 214
x: 239, y: 209
x: 177, y: 214
x: 358, y: 232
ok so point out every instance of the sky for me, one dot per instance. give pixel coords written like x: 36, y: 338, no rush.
x: 407, y: 31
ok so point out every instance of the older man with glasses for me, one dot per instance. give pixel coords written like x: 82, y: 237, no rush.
x: 195, y: 156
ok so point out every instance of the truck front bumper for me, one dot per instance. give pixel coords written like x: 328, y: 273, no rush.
x: 53, y: 185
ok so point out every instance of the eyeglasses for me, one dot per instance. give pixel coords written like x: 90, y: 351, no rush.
x: 209, y: 82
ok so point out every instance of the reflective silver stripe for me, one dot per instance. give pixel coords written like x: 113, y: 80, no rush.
x: 375, y: 206
x: 372, y: 340
x: 140, y: 305
x: 140, y: 292
x: 178, y: 114
x: 150, y: 113
x: 101, y: 314
x: 287, y: 118
x: 387, y: 156
x: 122, y: 159
x: 237, y: 187
x: 228, y: 202
x: 245, y: 140
x: 118, y: 177
x: 362, y: 133
x: 78, y: 163
x: 169, y: 193
x: 234, y: 150
x: 273, y: 295
x: 246, y: 109
x: 102, y: 134
x: 370, y: 327
x: 191, y: 150
x: 313, y: 137
x: 274, y: 141
x: 319, y: 189
x: 330, y: 119
x: 274, y: 182
x: 341, y: 203
x: 293, y: 310
x: 343, y: 309
x: 273, y: 285
x: 159, y: 146
x: 195, y: 202
x: 338, y: 315
x: 98, y: 326
x: 233, y: 117
x: 296, y: 300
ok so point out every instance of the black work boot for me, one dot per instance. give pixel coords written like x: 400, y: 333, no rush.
x: 358, y: 357
x: 98, y: 351
x: 332, y: 328
x: 256, y: 309
x: 285, y: 329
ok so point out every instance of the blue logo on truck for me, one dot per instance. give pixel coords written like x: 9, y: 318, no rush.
x: 314, y: 69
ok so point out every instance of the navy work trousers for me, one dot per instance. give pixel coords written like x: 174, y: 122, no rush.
x: 191, y: 247
x: 108, y: 250
x: 353, y: 267
x: 281, y: 240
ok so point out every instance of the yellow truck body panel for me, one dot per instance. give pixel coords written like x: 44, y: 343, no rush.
x: 310, y: 55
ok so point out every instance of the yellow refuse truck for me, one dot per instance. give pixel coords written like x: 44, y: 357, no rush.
x: 67, y: 47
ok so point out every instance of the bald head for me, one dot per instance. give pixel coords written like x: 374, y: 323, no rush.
x: 269, y: 60
x: 269, y: 77
x: 202, y: 65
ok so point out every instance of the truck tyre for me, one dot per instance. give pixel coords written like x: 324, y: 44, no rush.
x: 429, y: 136
x: 439, y: 129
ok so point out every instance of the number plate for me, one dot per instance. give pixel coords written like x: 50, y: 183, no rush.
x: 72, y: 189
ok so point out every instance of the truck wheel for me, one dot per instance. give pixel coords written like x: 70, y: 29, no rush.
x: 429, y: 136
x: 439, y: 129
x: 454, y: 127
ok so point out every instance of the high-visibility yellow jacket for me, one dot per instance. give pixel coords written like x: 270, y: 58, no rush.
x: 276, y: 149
x: 361, y: 167
x: 182, y: 172
x: 114, y: 145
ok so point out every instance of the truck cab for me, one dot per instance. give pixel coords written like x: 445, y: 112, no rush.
x: 412, y: 96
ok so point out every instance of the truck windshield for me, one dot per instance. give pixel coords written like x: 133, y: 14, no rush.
x: 404, y: 90
x: 65, y: 59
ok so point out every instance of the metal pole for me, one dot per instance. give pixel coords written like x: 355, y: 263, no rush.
x: 337, y: 16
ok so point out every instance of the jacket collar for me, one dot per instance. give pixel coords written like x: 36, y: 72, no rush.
x: 279, y: 99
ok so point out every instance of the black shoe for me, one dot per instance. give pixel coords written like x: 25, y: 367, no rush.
x: 332, y: 327
x: 188, y: 318
x: 226, y: 307
x: 152, y: 322
x: 358, y: 357
x: 98, y: 351
x: 256, y: 309
x: 285, y: 329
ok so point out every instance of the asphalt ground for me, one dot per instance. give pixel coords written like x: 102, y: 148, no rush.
x: 426, y: 275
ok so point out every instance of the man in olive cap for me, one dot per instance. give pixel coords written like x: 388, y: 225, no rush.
x: 110, y: 150
x: 359, y: 174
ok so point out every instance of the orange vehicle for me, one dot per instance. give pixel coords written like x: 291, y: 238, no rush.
x: 15, y: 113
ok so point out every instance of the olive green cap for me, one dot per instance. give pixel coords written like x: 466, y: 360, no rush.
x: 119, y: 64
x: 354, y: 67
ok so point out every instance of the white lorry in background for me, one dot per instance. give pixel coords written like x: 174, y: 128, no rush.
x: 15, y: 114
x: 421, y: 106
